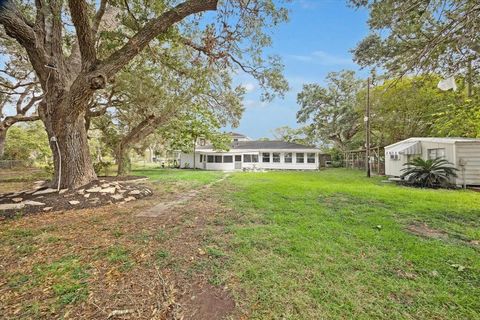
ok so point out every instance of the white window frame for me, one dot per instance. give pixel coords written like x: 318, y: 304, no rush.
x: 297, y: 157
x: 310, y: 156
x: 285, y: 157
x: 253, y: 158
x: 265, y: 155
x: 276, y: 157
x: 434, y: 153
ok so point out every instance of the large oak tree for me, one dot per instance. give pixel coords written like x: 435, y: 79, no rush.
x: 73, y: 62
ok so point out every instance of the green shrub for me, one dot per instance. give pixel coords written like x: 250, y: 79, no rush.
x: 431, y: 173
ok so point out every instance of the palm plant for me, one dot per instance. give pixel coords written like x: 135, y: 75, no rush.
x: 429, y: 173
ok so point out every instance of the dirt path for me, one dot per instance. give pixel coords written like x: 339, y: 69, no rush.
x: 91, y: 263
x: 160, y: 209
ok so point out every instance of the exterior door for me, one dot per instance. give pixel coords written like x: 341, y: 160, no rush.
x: 238, y: 162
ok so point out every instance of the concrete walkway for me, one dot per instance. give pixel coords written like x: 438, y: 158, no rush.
x: 164, y: 207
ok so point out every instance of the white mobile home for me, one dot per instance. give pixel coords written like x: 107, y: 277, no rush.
x: 247, y: 154
x: 464, y: 153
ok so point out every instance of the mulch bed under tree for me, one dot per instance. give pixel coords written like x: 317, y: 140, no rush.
x: 41, y: 198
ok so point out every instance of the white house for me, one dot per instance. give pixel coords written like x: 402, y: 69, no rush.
x: 464, y: 153
x: 247, y: 154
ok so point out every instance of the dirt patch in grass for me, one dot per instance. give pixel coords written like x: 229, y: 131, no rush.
x: 94, y: 263
x: 423, y: 230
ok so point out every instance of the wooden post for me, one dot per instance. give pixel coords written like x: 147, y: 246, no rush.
x: 378, y: 160
x: 367, y: 129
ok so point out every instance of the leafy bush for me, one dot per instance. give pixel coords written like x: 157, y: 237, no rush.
x: 102, y: 166
x: 431, y: 173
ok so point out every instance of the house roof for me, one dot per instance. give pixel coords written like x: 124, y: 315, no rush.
x: 237, y: 135
x: 449, y: 140
x: 262, y: 145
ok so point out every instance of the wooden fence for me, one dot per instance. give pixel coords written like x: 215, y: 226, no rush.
x: 356, y: 159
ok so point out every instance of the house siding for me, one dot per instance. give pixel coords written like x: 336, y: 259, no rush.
x: 455, y: 152
x: 282, y: 165
x: 470, y: 154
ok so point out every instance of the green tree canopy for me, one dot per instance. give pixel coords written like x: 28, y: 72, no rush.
x: 411, y: 35
x: 331, y: 110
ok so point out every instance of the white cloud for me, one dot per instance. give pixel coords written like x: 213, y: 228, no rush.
x: 324, y: 58
x: 250, y: 103
x: 306, y: 4
x: 249, y: 87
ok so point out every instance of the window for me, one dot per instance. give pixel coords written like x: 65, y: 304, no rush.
x: 227, y: 159
x: 201, y: 158
x: 288, y: 157
x: 250, y: 158
x: 266, y: 157
x: 436, y: 153
x: 218, y: 159
x: 210, y: 159
x: 276, y: 157
x: 238, y: 158
x: 235, y: 140
x: 394, y: 156
x: 300, y: 157
x: 310, y: 157
x: 202, y: 142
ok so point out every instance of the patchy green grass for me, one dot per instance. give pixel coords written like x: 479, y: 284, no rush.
x: 66, y: 276
x: 120, y: 256
x: 335, y: 245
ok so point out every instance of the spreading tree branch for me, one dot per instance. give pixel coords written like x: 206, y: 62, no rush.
x: 153, y: 28
x: 86, y: 39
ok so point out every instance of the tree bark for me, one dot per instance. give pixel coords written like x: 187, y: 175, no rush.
x: 68, y: 141
x: 68, y: 84
x: 123, y: 161
x: 3, y: 138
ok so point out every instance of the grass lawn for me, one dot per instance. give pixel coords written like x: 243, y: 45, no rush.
x: 335, y: 245
x: 195, y: 177
x: 285, y: 245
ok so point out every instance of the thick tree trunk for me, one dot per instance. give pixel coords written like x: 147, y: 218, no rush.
x: 123, y: 161
x: 68, y: 141
x: 3, y: 138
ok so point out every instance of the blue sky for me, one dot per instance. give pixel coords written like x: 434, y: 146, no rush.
x: 315, y: 41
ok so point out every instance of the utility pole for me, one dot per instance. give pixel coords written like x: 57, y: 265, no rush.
x: 469, y: 79
x: 367, y: 130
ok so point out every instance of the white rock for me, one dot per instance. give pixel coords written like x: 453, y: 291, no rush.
x: 47, y: 208
x: 62, y: 191
x: 33, y: 203
x: 129, y: 199
x: 108, y: 190
x: 12, y: 206
x: 117, y: 196
x: 134, y: 192
x: 45, y: 191
x: 105, y: 185
x: 73, y: 202
x: 17, y: 199
x: 87, y: 195
x: 81, y: 191
x: 94, y: 189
